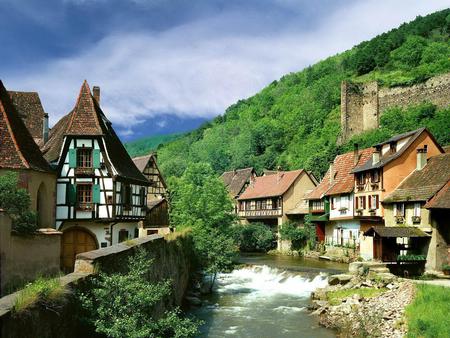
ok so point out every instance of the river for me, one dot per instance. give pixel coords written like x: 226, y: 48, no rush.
x: 267, y: 298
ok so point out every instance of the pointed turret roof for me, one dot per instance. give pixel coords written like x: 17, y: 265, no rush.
x: 85, y: 119
x: 17, y: 147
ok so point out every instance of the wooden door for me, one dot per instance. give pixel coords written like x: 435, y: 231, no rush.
x: 75, y: 241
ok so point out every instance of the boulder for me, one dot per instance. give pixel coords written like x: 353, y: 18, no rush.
x: 333, y: 280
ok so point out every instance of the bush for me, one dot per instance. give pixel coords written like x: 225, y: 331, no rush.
x: 410, y: 257
x: 427, y: 315
x: 123, y: 304
x: 254, y: 237
x: 16, y: 202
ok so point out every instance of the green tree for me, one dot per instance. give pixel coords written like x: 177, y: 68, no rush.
x: 254, y: 237
x: 201, y: 202
x: 122, y: 305
x: 16, y: 202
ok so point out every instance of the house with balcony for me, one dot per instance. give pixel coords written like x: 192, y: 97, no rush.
x: 424, y: 231
x: 236, y: 181
x: 101, y: 196
x: 20, y: 126
x: 157, y: 214
x: 268, y: 198
x: 391, y: 163
x: 331, y: 204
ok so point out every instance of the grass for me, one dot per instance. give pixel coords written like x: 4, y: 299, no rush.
x: 47, y: 290
x: 335, y: 297
x: 428, y: 314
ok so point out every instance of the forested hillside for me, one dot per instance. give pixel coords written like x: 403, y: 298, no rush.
x: 145, y: 145
x: 295, y: 121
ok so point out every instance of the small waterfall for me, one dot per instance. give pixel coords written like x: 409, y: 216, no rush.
x: 264, y: 280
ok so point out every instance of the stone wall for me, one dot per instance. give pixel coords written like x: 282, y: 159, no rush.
x: 363, y: 104
x: 172, y: 260
x: 23, y: 258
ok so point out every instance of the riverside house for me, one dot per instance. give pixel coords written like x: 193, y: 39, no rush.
x: 411, y: 229
x: 392, y: 161
x: 331, y: 203
x: 268, y: 198
x: 101, y: 195
x: 236, y: 181
x: 157, y: 215
x: 20, y: 153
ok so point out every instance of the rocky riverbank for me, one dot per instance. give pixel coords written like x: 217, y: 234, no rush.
x: 369, y: 302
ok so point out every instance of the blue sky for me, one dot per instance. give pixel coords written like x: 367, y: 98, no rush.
x: 168, y: 65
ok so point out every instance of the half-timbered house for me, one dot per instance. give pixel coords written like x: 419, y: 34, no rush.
x: 236, y: 181
x: 101, y: 195
x: 157, y: 216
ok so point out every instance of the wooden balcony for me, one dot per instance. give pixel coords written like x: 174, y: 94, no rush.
x: 261, y: 213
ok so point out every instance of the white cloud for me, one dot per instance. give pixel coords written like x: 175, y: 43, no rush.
x: 199, y: 69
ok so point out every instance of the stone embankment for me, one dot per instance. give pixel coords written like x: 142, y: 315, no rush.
x: 367, y: 302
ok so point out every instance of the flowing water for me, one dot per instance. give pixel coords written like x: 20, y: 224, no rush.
x: 267, y: 299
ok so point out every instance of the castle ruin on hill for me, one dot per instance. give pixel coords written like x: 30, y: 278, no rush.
x: 363, y: 104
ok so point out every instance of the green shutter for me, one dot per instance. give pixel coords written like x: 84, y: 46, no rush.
x: 96, y: 158
x: 96, y: 193
x: 72, y: 158
x: 71, y: 194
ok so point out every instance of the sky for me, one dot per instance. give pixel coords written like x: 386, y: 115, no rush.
x: 166, y: 66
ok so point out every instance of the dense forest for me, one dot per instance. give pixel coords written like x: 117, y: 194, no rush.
x: 295, y: 121
x: 144, y: 145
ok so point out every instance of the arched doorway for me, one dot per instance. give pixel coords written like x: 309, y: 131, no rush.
x: 74, y: 241
x: 41, y: 205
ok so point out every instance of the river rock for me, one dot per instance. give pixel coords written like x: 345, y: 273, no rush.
x: 333, y: 280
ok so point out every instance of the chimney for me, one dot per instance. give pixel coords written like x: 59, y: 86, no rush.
x: 355, y: 153
x: 421, y: 158
x: 376, y: 156
x: 331, y: 173
x: 45, y: 129
x: 96, y: 93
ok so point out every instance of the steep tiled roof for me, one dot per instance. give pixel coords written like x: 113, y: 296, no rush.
x: 17, y: 147
x: 388, y: 157
x: 421, y: 185
x: 87, y: 119
x: 30, y: 109
x: 343, y: 178
x: 400, y: 231
x: 235, y: 180
x: 441, y: 200
x: 271, y: 185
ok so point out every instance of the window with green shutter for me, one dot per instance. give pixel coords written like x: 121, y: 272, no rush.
x: 96, y: 158
x: 96, y: 193
x: 72, y: 158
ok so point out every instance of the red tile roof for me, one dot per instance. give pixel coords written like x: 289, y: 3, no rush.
x: 271, y: 185
x: 343, y: 178
x: 29, y: 107
x: 441, y: 200
x: 17, y: 147
x: 235, y: 180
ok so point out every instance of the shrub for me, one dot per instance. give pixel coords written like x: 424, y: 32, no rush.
x: 254, y: 237
x: 16, y: 202
x: 299, y: 236
x: 123, y: 304
x: 410, y: 257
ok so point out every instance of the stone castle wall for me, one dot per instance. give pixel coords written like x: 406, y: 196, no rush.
x: 363, y: 104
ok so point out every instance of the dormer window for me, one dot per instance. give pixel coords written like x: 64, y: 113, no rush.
x: 360, y: 179
x: 84, y: 158
x: 375, y: 176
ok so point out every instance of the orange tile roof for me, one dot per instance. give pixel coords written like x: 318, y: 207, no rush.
x: 271, y: 185
x: 343, y: 178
